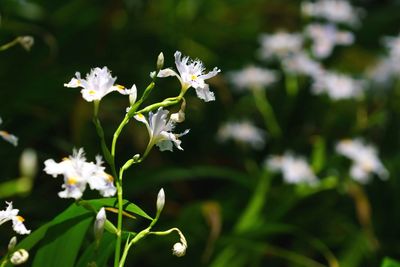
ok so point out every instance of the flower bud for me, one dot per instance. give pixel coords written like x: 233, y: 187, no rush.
x: 28, y: 163
x: 160, y: 201
x: 180, y: 115
x: 18, y: 257
x: 179, y: 249
x: 153, y: 75
x: 26, y: 42
x: 99, y: 224
x: 160, y: 61
x: 12, y: 243
x: 132, y: 95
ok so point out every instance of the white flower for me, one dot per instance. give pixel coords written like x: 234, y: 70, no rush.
x: 337, y: 86
x: 160, y: 130
x: 78, y: 173
x: 97, y: 84
x: 365, y: 159
x: 325, y: 37
x: 301, y: 63
x: 243, y: 132
x: 393, y: 45
x: 10, y: 214
x: 8, y: 137
x: 252, y: 77
x: 337, y: 11
x: 385, y: 70
x: 294, y: 169
x: 280, y: 44
x: 192, y: 74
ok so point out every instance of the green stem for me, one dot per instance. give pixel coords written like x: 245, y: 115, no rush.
x: 255, y: 205
x: 8, y: 45
x: 136, y: 239
x: 119, y: 223
x: 291, y: 85
x: 267, y: 112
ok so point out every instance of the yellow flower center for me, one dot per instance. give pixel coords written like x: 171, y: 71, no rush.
x: 120, y: 87
x: 92, y: 92
x: 110, y: 179
x: 194, y: 77
x: 20, y: 218
x: 72, y: 181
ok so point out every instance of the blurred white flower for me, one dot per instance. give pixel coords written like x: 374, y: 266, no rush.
x: 10, y: 214
x: 192, y: 74
x: 337, y: 86
x: 365, y: 159
x: 337, y: 11
x: 301, y: 64
x: 26, y: 42
x: 252, y: 77
x: 98, y: 83
x: 12, y: 139
x: 78, y: 173
x: 325, y: 37
x: 393, y: 46
x: 280, y: 44
x: 243, y: 132
x: 385, y: 70
x: 295, y: 169
x: 160, y: 130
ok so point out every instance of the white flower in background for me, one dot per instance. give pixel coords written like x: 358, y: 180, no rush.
x: 10, y: 214
x: 160, y: 130
x: 385, y: 70
x: 78, y: 173
x: 337, y: 86
x: 252, y: 77
x: 393, y: 45
x: 337, y: 11
x: 12, y: 139
x: 243, y: 132
x: 365, y: 159
x: 325, y: 37
x: 19, y: 257
x: 280, y: 44
x: 97, y: 84
x: 295, y: 169
x: 192, y: 74
x: 301, y: 64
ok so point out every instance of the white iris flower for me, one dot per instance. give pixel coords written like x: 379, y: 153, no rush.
x: 243, y: 132
x: 295, y: 169
x: 160, y: 130
x: 252, y: 77
x: 97, y: 84
x: 78, y: 173
x: 365, y: 159
x: 10, y: 214
x: 192, y: 74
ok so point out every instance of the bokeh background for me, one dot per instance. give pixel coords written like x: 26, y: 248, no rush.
x: 209, y: 184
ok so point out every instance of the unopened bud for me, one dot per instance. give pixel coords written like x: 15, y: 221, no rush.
x: 132, y: 95
x: 160, y: 201
x: 28, y: 163
x: 18, y: 257
x: 12, y: 243
x: 160, y: 61
x: 153, y: 75
x: 180, y: 115
x: 179, y: 249
x: 26, y: 42
x: 99, y: 224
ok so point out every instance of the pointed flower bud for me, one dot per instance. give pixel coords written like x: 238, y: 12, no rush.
x: 153, y: 75
x: 160, y: 201
x: 12, y: 243
x: 99, y: 224
x: 19, y: 257
x: 160, y: 61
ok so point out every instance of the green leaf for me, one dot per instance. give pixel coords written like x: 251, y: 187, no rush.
x: 63, y: 241
x: 388, y: 262
x: 100, y: 254
x: 112, y: 202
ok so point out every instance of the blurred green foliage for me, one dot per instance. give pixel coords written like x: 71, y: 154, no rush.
x: 208, y: 185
